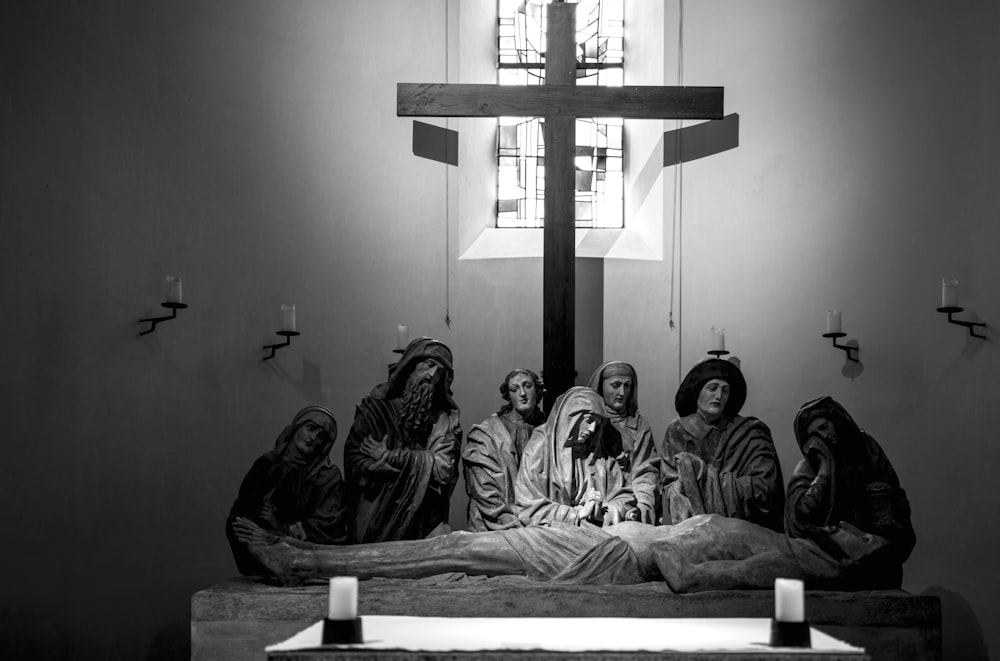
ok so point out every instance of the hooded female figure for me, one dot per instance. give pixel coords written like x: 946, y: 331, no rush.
x: 294, y: 490
x: 567, y: 473
x: 714, y: 460
x: 846, y: 477
x: 618, y: 384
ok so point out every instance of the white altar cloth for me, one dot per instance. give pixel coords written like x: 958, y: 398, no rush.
x: 558, y: 634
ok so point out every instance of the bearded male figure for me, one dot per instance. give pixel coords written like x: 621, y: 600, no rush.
x: 401, y: 454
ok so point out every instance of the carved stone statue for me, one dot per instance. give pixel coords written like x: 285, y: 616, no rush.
x: 493, y: 450
x: 567, y: 473
x: 713, y: 459
x: 401, y: 454
x: 293, y: 490
x: 618, y: 384
x: 846, y: 477
x: 705, y: 552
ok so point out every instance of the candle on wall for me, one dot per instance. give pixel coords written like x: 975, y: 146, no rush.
x: 343, y: 604
x: 949, y: 293
x: 288, y: 317
x: 402, y: 337
x: 174, y: 292
x: 833, y: 321
x: 718, y: 339
x: 789, y: 600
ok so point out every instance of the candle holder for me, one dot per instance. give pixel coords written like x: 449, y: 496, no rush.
x: 288, y: 335
x: 971, y: 325
x: 173, y: 307
x: 342, y: 632
x: 844, y: 347
x: 718, y: 352
x: 790, y: 634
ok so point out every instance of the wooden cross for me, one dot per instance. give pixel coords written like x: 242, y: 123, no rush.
x: 559, y: 102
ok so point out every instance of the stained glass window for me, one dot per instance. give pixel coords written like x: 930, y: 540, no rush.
x: 599, y: 140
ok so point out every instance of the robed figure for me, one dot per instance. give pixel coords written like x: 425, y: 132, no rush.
x: 401, y: 454
x: 845, y: 478
x: 618, y: 383
x: 714, y: 460
x: 567, y: 473
x: 493, y: 449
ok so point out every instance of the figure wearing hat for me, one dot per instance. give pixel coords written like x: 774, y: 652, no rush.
x: 714, y: 460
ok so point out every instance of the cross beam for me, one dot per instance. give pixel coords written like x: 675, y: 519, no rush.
x: 559, y: 102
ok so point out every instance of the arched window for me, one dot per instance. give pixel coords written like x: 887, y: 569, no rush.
x: 599, y: 141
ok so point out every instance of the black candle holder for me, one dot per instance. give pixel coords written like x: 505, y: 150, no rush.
x: 790, y: 634
x: 971, y: 325
x: 718, y: 352
x: 173, y: 307
x: 288, y: 335
x: 342, y: 632
x: 847, y: 349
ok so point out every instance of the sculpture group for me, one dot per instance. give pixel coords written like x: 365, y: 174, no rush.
x: 583, y: 493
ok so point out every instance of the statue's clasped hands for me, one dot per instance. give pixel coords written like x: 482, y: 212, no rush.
x: 378, y: 452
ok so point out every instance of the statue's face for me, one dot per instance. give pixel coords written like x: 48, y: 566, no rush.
x: 712, y: 399
x: 523, y: 393
x: 824, y: 428
x: 616, y: 390
x: 587, y: 427
x: 306, y: 440
x: 428, y: 370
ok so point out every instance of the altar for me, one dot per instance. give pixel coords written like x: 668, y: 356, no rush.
x: 240, y: 617
x: 518, y: 639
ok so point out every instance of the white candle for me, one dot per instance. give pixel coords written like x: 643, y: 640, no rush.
x: 833, y: 321
x: 949, y: 293
x: 174, y: 292
x: 718, y: 339
x: 402, y: 337
x: 789, y: 600
x: 343, y: 603
x: 288, y: 317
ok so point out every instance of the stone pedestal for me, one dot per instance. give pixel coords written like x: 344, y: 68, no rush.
x: 237, y: 618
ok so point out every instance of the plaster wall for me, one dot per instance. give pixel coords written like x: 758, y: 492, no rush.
x: 253, y: 149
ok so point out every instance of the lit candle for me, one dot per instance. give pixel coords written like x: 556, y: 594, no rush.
x: 288, y: 317
x: 833, y: 321
x: 174, y: 292
x: 789, y: 600
x: 949, y: 293
x: 718, y: 339
x: 402, y: 337
x: 343, y: 603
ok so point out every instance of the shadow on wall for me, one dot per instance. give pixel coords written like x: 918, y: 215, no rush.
x: 961, y: 633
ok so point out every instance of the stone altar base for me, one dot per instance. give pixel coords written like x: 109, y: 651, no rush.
x: 237, y: 618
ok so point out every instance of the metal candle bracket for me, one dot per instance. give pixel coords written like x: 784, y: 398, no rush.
x: 718, y: 352
x: 173, y: 307
x: 288, y: 335
x: 971, y: 325
x: 844, y: 347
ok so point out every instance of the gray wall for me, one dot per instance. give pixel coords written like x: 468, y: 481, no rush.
x: 252, y: 148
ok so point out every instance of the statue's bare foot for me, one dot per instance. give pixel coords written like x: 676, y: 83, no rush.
x: 292, y: 566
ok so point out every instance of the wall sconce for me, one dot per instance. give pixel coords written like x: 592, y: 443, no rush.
x: 949, y: 306
x: 173, y: 303
x: 833, y: 332
x: 287, y: 330
x: 717, y: 343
